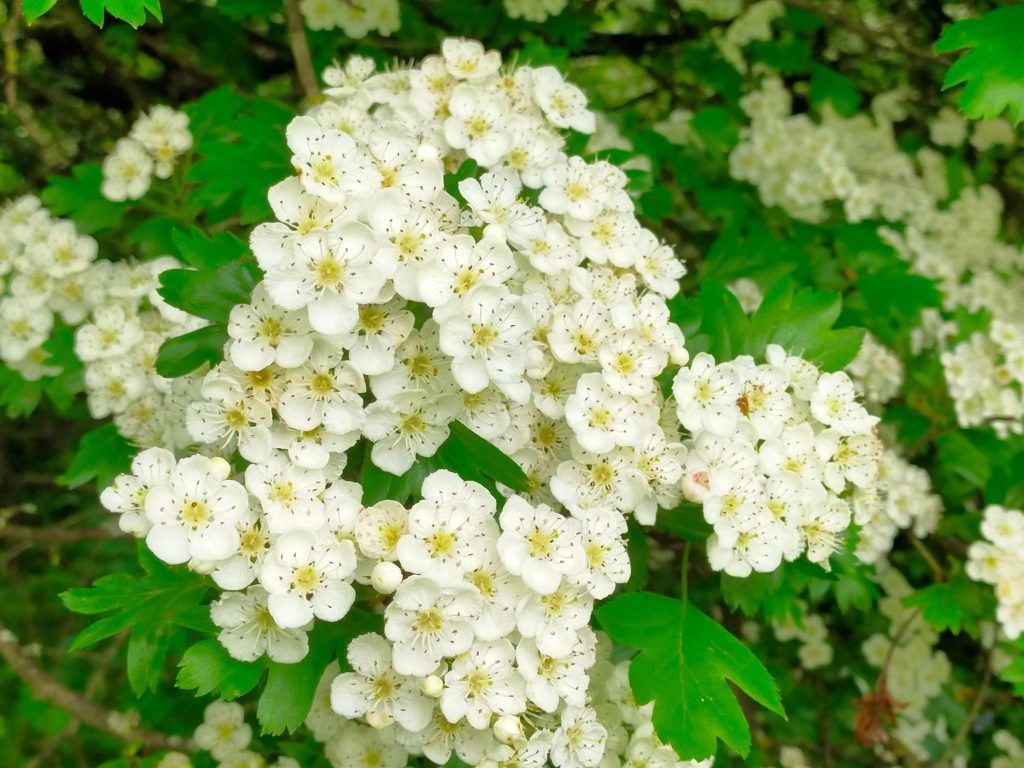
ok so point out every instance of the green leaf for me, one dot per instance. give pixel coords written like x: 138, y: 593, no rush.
x: 829, y: 86
x: 955, y: 605
x: 207, y: 668
x: 131, y: 11
x: 992, y: 71
x: 183, y: 354
x: 78, y: 198
x: 1013, y: 673
x: 151, y: 605
x: 288, y: 693
x: 685, y: 663
x: 210, y: 294
x: 798, y: 321
x: 241, y: 155
x: 102, y: 454
x: 33, y: 9
x: 471, y: 456
x: 208, y: 252
x: 801, y: 323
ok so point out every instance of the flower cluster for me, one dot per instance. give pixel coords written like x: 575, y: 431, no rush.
x: 152, y: 147
x: 901, y: 498
x: 997, y: 560
x: 985, y: 377
x: 53, y: 279
x: 774, y: 449
x: 877, y: 371
x: 536, y: 11
x: 804, y: 166
x: 226, y: 736
x: 356, y: 18
x: 610, y: 730
x: 811, y: 632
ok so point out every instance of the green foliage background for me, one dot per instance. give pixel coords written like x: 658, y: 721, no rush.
x: 77, y: 77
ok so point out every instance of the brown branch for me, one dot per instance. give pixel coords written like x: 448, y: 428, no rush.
x: 300, y: 50
x: 52, y: 691
x: 44, y: 536
x: 11, y: 64
x: 950, y: 752
x: 878, y: 37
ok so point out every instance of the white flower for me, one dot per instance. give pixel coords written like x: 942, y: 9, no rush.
x: 563, y: 103
x: 553, y: 620
x: 580, y: 739
x: 127, y: 171
x: 308, y: 575
x: 325, y: 392
x: 550, y: 680
x: 476, y: 125
x: 127, y: 496
x: 226, y: 417
x: 834, y: 404
x: 483, y: 682
x: 706, y: 396
x: 447, y: 528
x: 376, y: 692
x: 332, y: 273
x: 329, y: 162
x: 601, y: 419
x: 427, y: 623
x: 194, y: 512
x: 263, y: 334
x: 223, y: 731
x: 606, y: 560
x: 406, y: 426
x: 248, y: 630
x: 468, y: 60
x: 485, y: 335
x: 539, y: 545
x: 461, y: 265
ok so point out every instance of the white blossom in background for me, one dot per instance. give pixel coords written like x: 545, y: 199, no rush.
x: 996, y: 560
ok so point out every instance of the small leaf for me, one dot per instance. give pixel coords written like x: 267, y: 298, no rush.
x: 210, y: 294
x: 33, y: 9
x: 208, y: 668
x: 102, y: 454
x: 78, y: 197
x: 183, y: 354
x: 466, y: 453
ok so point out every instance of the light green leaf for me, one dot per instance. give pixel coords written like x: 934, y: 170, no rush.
x: 207, y: 668
x: 102, y: 455
x: 992, y: 71
x: 131, y: 11
x: 685, y: 663
x: 33, y: 9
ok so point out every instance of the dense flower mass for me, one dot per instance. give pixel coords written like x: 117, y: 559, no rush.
x: 437, y: 256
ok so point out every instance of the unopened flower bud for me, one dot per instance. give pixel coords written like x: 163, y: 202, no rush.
x: 432, y: 686
x: 386, y: 577
x: 508, y: 729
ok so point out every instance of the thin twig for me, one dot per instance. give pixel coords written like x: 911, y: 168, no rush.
x: 52, y: 691
x: 11, y: 65
x: 55, y: 535
x: 862, y: 30
x: 933, y: 563
x: 300, y: 49
x: 972, y: 715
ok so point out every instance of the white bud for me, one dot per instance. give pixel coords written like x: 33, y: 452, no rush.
x: 696, y: 486
x: 508, y: 729
x: 679, y: 356
x: 432, y: 686
x: 386, y: 577
x: 221, y: 467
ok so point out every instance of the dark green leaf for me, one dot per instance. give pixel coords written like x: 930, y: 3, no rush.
x: 183, y: 354
x: 102, y: 455
x: 207, y: 668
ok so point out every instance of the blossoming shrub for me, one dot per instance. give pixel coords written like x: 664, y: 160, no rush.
x: 479, y: 414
